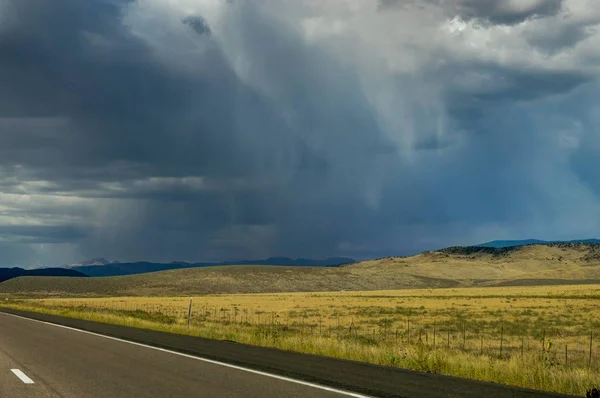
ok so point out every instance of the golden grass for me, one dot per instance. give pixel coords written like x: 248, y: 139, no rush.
x: 529, y: 265
x: 511, y: 335
x: 221, y: 279
x: 527, y: 262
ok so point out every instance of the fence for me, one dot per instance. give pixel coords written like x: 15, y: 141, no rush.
x: 502, y: 339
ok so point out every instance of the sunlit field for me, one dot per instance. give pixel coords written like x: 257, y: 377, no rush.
x: 541, y: 337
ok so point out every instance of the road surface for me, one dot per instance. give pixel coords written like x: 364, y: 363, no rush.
x: 66, y: 363
x: 52, y: 356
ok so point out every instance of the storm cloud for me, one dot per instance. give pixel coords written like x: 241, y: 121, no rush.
x: 504, y: 12
x: 213, y: 129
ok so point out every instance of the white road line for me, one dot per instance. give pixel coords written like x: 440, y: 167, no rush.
x: 227, y: 365
x: 22, y: 376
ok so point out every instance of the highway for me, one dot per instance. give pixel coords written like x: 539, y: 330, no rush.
x: 39, y: 359
x: 66, y: 363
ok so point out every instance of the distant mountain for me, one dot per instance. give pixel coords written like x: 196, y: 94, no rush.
x: 513, y: 243
x: 9, y: 273
x: 141, y: 267
x: 94, y: 261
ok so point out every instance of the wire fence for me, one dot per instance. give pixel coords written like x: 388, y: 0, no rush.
x: 501, y: 339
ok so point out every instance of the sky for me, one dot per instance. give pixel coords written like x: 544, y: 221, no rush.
x: 207, y: 130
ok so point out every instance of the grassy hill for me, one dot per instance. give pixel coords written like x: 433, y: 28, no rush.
x: 9, y: 273
x: 141, y: 267
x: 510, y: 243
x: 222, y: 279
x: 555, y: 263
x: 480, y: 264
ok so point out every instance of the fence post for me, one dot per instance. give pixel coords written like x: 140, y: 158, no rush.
x: 523, y: 344
x: 591, y: 343
x: 544, y: 342
x: 190, y: 313
x: 408, y: 334
x: 481, y: 344
x: 501, y: 339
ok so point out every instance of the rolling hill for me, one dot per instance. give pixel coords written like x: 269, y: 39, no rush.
x: 10, y: 273
x: 555, y: 263
x: 102, y: 267
x: 513, y: 243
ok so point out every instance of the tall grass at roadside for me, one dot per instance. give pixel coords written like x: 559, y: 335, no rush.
x: 531, y: 368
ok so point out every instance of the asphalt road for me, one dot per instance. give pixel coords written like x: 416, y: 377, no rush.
x: 67, y: 363
x: 39, y: 359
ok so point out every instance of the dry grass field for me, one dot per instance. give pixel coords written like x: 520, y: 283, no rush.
x: 536, y: 336
x: 223, y: 279
x: 453, y: 267
x: 487, y: 267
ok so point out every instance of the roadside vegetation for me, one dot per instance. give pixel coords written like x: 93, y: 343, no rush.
x: 537, y: 337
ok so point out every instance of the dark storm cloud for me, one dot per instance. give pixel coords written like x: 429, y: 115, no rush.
x: 480, y: 83
x: 507, y: 11
x: 16, y: 255
x: 89, y: 105
x: 121, y: 105
x: 502, y: 12
x: 134, y: 134
x: 198, y: 24
x: 42, y: 234
x: 586, y: 130
x: 558, y: 38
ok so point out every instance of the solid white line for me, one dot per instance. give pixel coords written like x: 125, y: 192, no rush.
x: 227, y: 365
x: 22, y: 376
